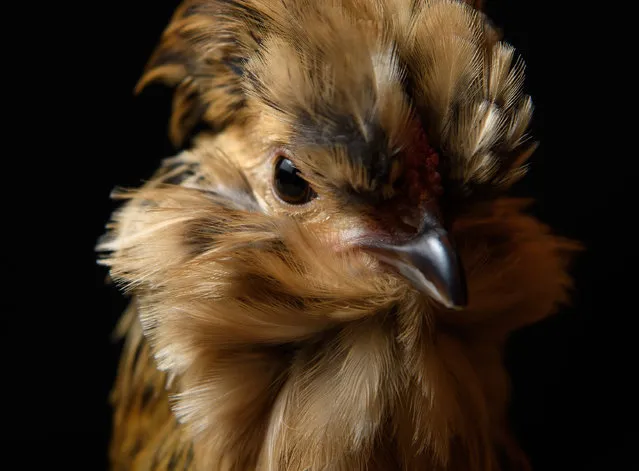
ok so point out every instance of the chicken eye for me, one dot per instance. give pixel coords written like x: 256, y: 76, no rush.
x: 289, y: 185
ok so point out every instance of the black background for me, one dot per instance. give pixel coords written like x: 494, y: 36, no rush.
x: 574, y: 403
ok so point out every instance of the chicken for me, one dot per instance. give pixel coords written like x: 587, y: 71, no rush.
x: 324, y: 278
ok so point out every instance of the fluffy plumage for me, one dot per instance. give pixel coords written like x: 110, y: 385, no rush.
x: 256, y: 338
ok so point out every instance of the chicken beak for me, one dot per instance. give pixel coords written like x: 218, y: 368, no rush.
x: 429, y: 262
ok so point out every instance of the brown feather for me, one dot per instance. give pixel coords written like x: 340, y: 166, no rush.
x: 254, y: 342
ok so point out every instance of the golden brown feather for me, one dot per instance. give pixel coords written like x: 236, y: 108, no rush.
x: 258, y: 339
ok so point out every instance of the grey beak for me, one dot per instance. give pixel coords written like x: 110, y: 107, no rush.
x: 429, y: 262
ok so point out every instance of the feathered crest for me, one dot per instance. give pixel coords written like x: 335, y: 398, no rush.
x: 353, y: 69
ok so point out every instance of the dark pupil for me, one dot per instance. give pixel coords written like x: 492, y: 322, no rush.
x: 290, y: 186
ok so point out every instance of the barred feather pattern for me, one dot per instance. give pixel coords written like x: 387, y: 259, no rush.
x: 256, y: 340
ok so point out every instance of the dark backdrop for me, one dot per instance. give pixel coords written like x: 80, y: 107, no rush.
x: 574, y: 392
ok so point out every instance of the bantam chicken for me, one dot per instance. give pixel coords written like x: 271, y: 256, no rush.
x: 324, y: 278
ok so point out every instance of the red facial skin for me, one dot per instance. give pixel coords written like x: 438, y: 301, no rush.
x: 423, y: 181
x: 417, y: 190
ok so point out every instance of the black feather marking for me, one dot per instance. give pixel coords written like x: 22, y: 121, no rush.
x: 147, y: 395
x: 167, y: 56
x: 171, y: 466
x: 370, y: 151
x: 189, y: 458
x: 236, y: 65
